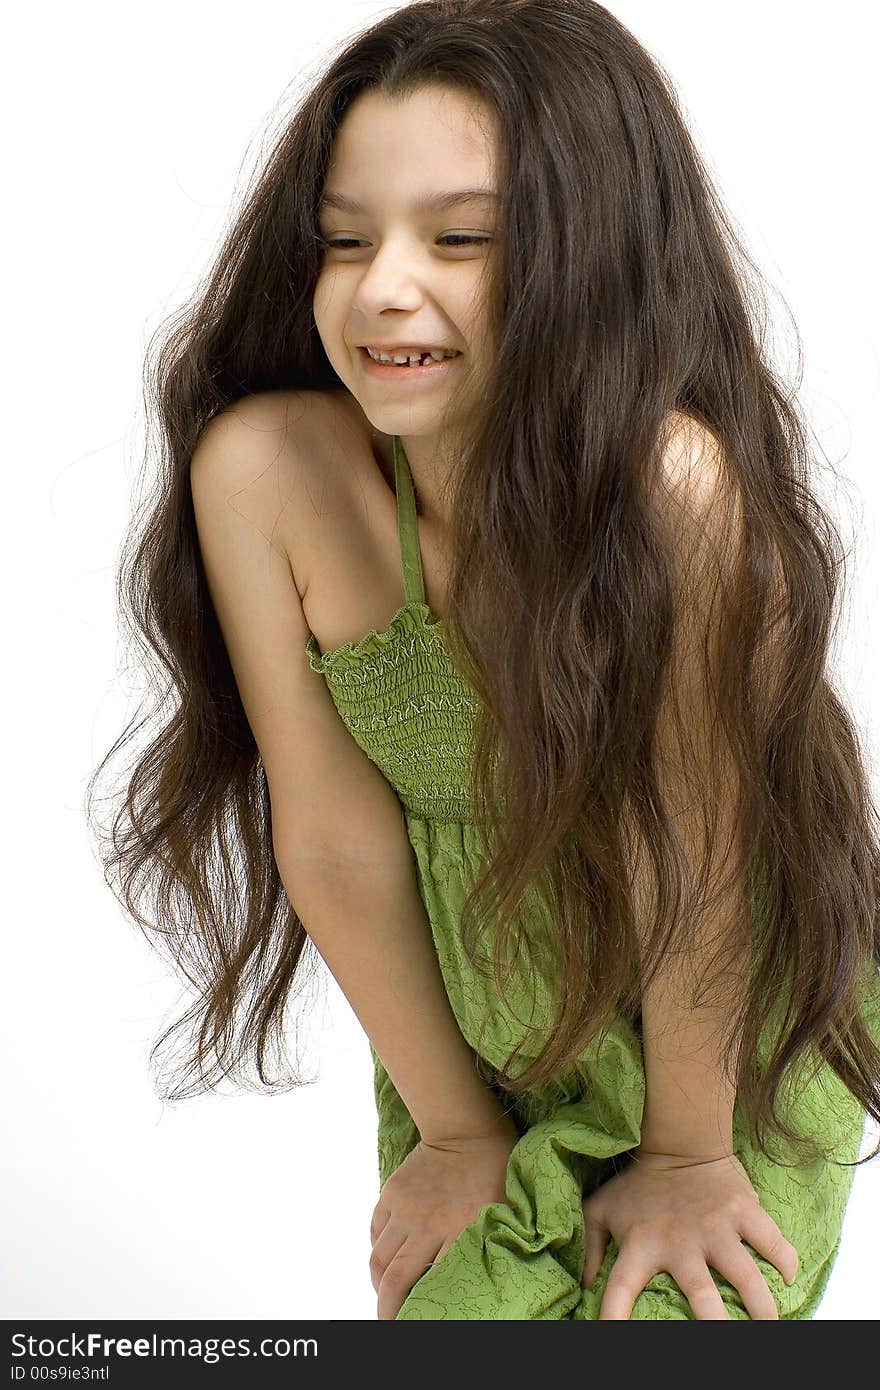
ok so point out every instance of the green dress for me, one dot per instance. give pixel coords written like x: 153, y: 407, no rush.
x: 412, y: 713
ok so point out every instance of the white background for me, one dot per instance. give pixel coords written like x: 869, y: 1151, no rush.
x: 129, y: 132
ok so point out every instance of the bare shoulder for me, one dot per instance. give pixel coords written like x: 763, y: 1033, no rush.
x: 334, y: 816
x: 693, y: 472
x: 698, y: 499
x: 282, y: 459
x: 266, y: 421
x: 249, y: 442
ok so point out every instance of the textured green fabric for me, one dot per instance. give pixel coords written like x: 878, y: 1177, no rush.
x: 412, y: 713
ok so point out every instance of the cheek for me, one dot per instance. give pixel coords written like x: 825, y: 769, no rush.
x: 327, y: 302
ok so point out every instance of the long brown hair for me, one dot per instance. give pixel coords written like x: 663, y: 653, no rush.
x: 622, y: 297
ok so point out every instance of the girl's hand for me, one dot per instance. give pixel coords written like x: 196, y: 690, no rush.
x: 426, y: 1203
x: 679, y: 1215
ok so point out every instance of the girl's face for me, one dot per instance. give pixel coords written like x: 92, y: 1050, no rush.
x: 401, y: 272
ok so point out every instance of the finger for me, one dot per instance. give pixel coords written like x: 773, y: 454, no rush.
x: 701, y: 1292
x: 629, y: 1274
x: 386, y: 1247
x: 736, y: 1265
x: 763, y: 1234
x: 407, y: 1266
x: 378, y: 1221
x: 442, y: 1251
x: 595, y: 1245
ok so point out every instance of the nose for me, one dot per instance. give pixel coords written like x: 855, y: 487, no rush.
x: 387, y: 283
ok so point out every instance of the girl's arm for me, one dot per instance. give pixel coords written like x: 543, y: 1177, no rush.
x: 689, y: 1099
x: 687, y: 1205
x: 372, y: 930
x: 338, y: 831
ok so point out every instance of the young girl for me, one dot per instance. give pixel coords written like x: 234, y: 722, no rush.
x: 497, y: 604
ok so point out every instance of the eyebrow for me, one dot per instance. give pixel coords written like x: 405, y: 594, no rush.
x: 428, y: 202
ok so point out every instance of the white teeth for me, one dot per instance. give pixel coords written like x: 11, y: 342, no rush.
x: 410, y: 359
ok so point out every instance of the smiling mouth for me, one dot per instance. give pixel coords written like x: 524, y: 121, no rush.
x: 423, y: 368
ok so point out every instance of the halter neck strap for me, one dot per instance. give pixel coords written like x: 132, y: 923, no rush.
x: 408, y: 527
